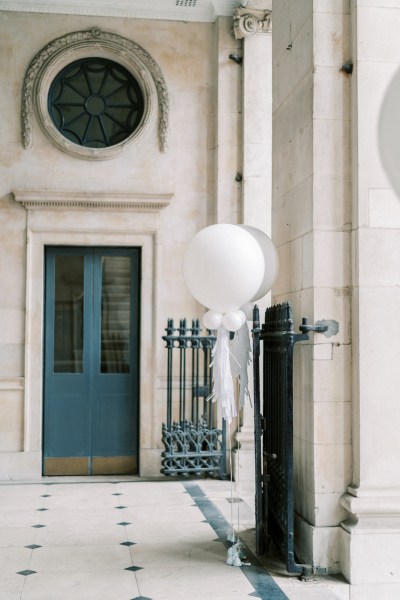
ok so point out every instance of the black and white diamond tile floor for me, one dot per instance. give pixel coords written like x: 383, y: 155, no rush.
x: 130, y: 540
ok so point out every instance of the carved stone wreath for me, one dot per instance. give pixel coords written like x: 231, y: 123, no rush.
x: 89, y: 43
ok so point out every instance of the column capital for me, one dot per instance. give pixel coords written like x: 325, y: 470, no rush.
x: 248, y: 21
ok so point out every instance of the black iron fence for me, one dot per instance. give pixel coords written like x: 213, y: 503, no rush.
x: 273, y: 416
x: 194, y: 444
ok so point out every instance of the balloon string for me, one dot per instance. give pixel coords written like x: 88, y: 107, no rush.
x: 238, y: 479
x: 231, y: 474
x: 237, y: 494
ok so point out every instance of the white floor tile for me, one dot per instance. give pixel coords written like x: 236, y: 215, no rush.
x: 93, y: 585
x: 210, y: 553
x: 78, y: 559
x: 168, y: 514
x: 197, y: 583
x: 19, y: 502
x: 152, y: 488
x: 78, y: 515
x: 177, y: 554
x: 11, y: 586
x: 17, y: 536
x: 21, y: 518
x: 93, y: 533
x: 81, y: 502
x: 13, y: 560
x: 164, y: 531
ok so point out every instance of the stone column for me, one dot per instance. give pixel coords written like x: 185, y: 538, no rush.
x: 311, y: 229
x: 253, y: 26
x: 370, y: 535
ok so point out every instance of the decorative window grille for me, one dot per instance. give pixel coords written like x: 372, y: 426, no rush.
x: 95, y: 102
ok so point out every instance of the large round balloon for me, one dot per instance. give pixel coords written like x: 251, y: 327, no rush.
x: 271, y: 261
x: 389, y: 132
x: 223, y: 267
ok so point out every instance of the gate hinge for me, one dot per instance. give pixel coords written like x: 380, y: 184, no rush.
x: 328, y: 327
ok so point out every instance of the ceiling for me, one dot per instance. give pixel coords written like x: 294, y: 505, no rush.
x: 177, y: 10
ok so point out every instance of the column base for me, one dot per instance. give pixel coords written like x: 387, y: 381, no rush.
x: 370, y: 591
x: 318, y: 546
x: 370, y: 544
x: 150, y: 462
x: 20, y: 466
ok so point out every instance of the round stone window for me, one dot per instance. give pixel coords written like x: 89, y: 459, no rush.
x: 95, y: 103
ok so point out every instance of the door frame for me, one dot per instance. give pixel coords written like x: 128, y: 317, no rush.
x: 41, y: 235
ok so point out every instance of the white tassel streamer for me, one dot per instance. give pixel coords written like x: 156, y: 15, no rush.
x: 240, y: 360
x: 223, y: 390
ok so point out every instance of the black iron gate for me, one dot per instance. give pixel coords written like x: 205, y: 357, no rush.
x: 273, y: 415
x: 194, y: 444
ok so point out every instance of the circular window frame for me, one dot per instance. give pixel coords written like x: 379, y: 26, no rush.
x: 93, y: 43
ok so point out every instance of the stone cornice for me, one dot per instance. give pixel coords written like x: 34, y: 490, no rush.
x: 199, y: 11
x: 247, y: 21
x: 95, y: 200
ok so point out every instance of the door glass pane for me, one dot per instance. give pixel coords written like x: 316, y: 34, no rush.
x: 68, y: 314
x: 115, y: 314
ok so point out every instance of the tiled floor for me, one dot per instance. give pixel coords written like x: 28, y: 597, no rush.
x: 134, y: 540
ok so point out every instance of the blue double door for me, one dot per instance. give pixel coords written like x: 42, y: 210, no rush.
x: 91, y: 382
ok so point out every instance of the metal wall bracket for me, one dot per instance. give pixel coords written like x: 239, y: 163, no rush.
x: 328, y: 327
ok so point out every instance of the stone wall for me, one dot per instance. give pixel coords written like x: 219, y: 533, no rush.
x: 311, y: 227
x: 370, y: 535
x: 201, y: 81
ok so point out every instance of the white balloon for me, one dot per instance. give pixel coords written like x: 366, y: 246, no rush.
x: 212, y: 319
x: 271, y: 261
x: 233, y: 320
x: 248, y: 310
x: 389, y: 132
x: 223, y: 267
